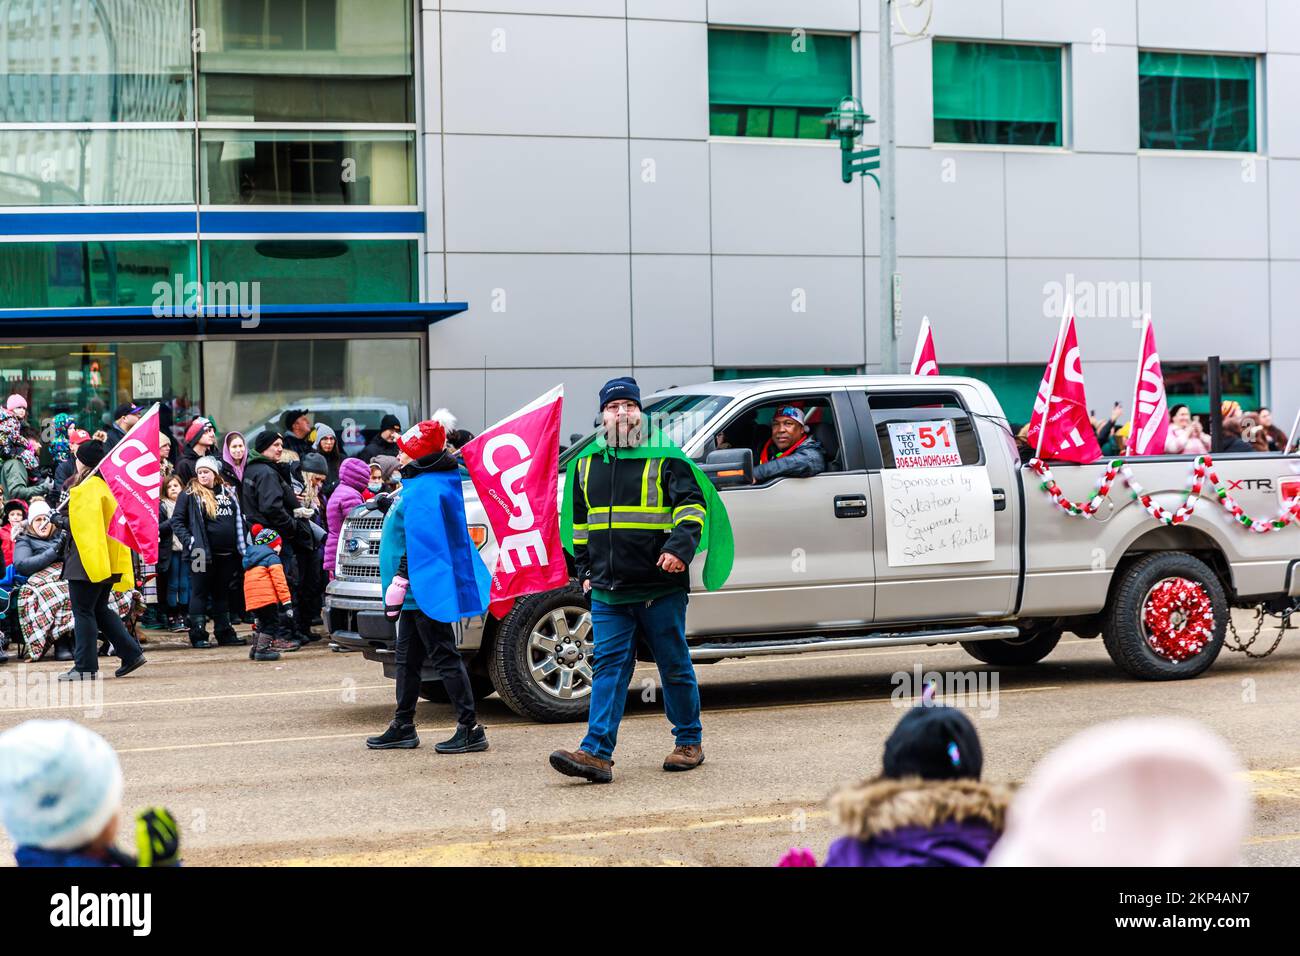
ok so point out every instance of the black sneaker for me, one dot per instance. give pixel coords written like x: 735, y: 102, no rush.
x: 63, y: 653
x: 396, y: 737
x: 128, y: 668
x: 466, y: 740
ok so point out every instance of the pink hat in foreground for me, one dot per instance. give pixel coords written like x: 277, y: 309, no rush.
x: 1139, y: 792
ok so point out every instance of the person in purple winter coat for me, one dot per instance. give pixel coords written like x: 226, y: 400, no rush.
x: 354, y: 474
x: 928, y: 807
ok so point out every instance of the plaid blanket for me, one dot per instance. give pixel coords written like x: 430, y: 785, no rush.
x: 45, y: 610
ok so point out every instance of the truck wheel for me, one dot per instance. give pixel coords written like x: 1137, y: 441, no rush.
x: 1167, y: 617
x: 1027, y: 649
x: 433, y: 691
x: 542, y: 654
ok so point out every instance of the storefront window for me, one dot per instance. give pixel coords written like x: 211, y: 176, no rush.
x: 78, y: 61
x: 317, y: 271
x: 39, y: 275
x: 348, y: 384
x: 89, y: 379
x: 1189, y: 384
x: 303, y: 168
x: 136, y: 167
x: 307, y: 61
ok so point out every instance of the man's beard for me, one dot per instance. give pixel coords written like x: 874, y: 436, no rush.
x: 624, y: 432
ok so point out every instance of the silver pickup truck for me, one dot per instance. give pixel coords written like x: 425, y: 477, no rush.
x: 853, y: 557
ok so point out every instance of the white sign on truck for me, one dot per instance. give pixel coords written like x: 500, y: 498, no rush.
x: 938, y: 515
x: 924, y: 444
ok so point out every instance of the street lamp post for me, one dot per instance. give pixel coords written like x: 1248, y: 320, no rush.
x: 847, y: 121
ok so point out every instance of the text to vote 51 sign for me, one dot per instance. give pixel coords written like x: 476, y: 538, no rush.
x: 924, y: 444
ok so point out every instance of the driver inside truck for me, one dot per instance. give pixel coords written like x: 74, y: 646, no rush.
x: 791, y: 451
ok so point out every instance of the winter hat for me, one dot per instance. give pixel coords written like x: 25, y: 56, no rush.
x: 267, y: 536
x: 934, y: 742
x: 623, y: 387
x: 354, y: 473
x: 12, y: 442
x: 324, y: 431
x: 60, y: 784
x: 423, y: 438
x: 789, y: 411
x: 314, y: 463
x: 15, y: 504
x: 389, y: 421
x: 127, y: 408
x: 387, y: 464
x: 39, y: 507
x: 1147, y: 791
x: 265, y: 440
x: 291, y: 416
x: 15, y: 402
x: 77, y: 435
x: 460, y: 437
x: 91, y: 453
x: 209, y: 462
x: 195, y: 429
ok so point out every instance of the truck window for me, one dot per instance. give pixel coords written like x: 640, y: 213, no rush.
x: 927, y: 441
x: 752, y: 427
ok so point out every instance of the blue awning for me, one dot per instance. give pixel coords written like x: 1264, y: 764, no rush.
x: 115, y: 321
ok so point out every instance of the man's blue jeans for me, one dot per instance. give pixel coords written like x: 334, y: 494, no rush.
x: 662, y: 622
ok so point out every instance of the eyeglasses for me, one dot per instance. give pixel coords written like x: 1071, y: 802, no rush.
x: 621, y: 406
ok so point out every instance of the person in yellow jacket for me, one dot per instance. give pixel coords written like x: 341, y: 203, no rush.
x: 94, y: 565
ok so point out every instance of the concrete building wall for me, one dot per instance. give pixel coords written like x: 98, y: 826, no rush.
x: 577, y: 201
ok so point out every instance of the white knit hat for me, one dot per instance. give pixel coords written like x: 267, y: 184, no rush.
x: 37, y: 508
x: 209, y: 462
x: 60, y: 784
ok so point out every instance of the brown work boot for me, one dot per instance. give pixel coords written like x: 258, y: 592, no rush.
x: 684, y: 757
x: 579, y: 763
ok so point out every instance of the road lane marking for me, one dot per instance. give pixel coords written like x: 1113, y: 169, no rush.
x: 192, y: 700
x: 516, y: 724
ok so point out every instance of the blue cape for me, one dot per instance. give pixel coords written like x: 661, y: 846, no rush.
x: 449, y: 580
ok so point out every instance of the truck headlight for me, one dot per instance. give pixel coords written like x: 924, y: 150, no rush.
x: 478, y: 533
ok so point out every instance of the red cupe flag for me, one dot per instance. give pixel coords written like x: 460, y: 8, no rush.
x: 131, y: 471
x: 1060, y: 428
x: 924, y: 360
x: 1150, y: 425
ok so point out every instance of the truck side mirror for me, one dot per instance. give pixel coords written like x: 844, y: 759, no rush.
x: 728, y: 467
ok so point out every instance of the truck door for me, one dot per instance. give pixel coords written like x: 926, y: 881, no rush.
x: 938, y: 425
x: 804, y: 556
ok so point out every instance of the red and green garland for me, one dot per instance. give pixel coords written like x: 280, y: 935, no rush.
x: 1202, y: 468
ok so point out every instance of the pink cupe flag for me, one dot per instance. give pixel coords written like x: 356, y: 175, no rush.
x: 1150, y: 425
x: 1060, y: 428
x: 512, y: 465
x: 131, y: 471
x: 924, y: 360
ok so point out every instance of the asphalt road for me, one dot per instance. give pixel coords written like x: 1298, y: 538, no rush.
x: 265, y: 763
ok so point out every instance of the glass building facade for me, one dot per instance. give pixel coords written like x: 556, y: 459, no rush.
x: 162, y: 153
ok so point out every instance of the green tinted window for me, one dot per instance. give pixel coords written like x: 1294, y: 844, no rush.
x: 41, y: 275
x: 776, y: 84
x: 317, y: 271
x: 1194, y: 101
x: 997, y: 93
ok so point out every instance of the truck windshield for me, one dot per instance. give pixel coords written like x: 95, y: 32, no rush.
x: 680, y: 417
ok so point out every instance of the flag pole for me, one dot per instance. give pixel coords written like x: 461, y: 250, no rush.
x: 1137, y: 384
x: 1051, y: 380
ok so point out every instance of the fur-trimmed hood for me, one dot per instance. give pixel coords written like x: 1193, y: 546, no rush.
x: 882, y: 805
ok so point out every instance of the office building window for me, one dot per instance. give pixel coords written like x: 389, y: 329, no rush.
x: 40, y: 275
x: 304, y: 168
x: 74, y: 61
x: 1196, y: 101
x: 776, y: 85
x: 317, y: 271
x: 307, y: 61
x: 83, y: 167
x: 997, y: 93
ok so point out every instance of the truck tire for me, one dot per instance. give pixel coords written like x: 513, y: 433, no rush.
x: 1167, y: 617
x: 541, y: 656
x: 1028, y: 649
x: 433, y: 691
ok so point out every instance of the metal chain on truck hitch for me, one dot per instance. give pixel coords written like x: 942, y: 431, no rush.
x: 1244, y: 647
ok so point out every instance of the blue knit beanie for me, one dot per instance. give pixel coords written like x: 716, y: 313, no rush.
x: 624, y: 387
x: 60, y: 784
